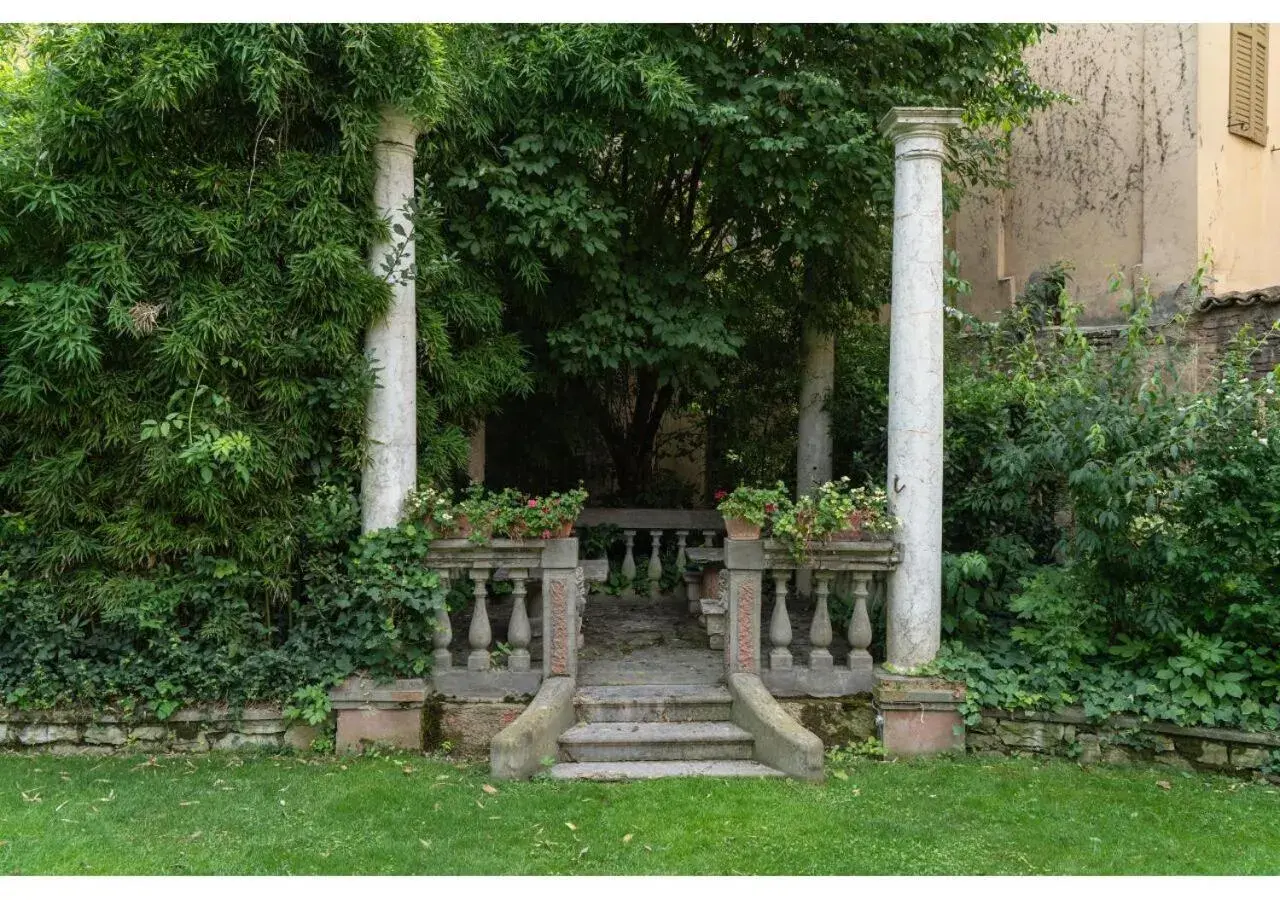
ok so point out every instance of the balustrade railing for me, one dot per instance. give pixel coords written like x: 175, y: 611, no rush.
x: 663, y: 526
x: 558, y: 582
x: 741, y: 583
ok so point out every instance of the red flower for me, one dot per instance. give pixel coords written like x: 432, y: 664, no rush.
x: 720, y: 495
x: 770, y: 507
x: 533, y: 504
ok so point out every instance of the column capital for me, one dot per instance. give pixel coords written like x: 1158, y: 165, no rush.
x: 904, y: 122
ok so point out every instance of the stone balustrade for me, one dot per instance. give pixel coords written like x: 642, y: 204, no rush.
x: 686, y: 527
x: 550, y: 572
x: 739, y: 601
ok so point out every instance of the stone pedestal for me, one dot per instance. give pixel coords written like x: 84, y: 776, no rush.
x: 742, y: 583
x: 370, y: 713
x: 914, y: 621
x: 919, y: 716
x: 562, y: 586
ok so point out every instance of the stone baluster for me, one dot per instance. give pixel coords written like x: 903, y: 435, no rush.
x: 708, y: 538
x: 820, y: 630
x: 629, y: 563
x: 860, y: 625
x: 780, y: 624
x: 443, y: 659
x: 681, y: 587
x: 480, y: 634
x: 518, y: 631
x: 655, y: 563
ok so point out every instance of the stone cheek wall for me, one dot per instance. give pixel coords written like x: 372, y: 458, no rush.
x: 197, y: 729
x: 1123, y: 739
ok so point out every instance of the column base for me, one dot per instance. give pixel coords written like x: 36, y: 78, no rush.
x: 479, y: 661
x: 518, y: 661
x: 919, y: 716
x: 780, y: 659
x: 821, y: 660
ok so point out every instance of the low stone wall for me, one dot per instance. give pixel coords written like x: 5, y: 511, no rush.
x: 194, y: 730
x: 1121, y: 739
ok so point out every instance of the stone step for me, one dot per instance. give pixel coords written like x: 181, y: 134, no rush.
x: 654, y: 703
x: 637, y: 771
x: 633, y: 741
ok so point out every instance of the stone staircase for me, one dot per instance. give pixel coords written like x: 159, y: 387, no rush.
x: 627, y: 732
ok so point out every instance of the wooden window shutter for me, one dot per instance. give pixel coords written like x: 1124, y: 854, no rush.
x: 1247, y: 115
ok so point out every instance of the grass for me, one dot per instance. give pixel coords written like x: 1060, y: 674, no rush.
x: 408, y: 814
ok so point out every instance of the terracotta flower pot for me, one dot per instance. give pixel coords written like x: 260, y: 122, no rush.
x: 462, y: 527
x: 564, y: 531
x: 741, y: 530
x: 854, y: 532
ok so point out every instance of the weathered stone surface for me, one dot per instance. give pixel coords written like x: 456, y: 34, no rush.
x: 1173, y: 761
x: 301, y: 737
x: 6, y: 734
x: 468, y: 727
x: 1249, y: 757
x: 1039, y: 736
x: 37, y: 735
x: 1115, y: 755
x: 274, y: 726
x: 1213, y: 754
x: 984, y: 743
x: 396, y: 727
x: 234, y: 740
x: 148, y: 733
x: 1090, y: 748
x: 836, y: 722
x: 111, y: 735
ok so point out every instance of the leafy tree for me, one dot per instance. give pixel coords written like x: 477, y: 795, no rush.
x: 643, y: 188
x: 185, y: 212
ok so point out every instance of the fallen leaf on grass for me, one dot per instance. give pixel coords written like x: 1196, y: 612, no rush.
x: 489, y: 789
x: 626, y: 838
x: 583, y: 852
x: 32, y: 797
x: 572, y: 827
x: 193, y: 802
x: 408, y: 770
x: 425, y: 843
x: 111, y: 795
x: 1164, y: 785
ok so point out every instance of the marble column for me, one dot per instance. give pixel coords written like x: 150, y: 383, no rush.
x: 391, y: 420
x: 915, y: 382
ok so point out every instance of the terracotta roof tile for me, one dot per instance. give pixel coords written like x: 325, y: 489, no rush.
x: 1240, y: 298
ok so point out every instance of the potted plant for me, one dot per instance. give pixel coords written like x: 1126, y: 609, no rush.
x: 435, y: 509
x: 553, y: 516
x: 746, y: 509
x: 869, y: 517
x: 476, y: 514
x: 834, y: 511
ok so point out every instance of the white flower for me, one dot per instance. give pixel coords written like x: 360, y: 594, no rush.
x: 1262, y: 441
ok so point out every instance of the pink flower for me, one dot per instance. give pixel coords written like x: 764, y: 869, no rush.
x: 720, y: 495
x: 533, y: 504
x: 546, y: 535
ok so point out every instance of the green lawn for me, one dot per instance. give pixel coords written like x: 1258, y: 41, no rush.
x: 407, y: 814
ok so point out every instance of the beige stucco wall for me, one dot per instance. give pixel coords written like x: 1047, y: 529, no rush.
x: 1239, y: 181
x: 1138, y: 175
